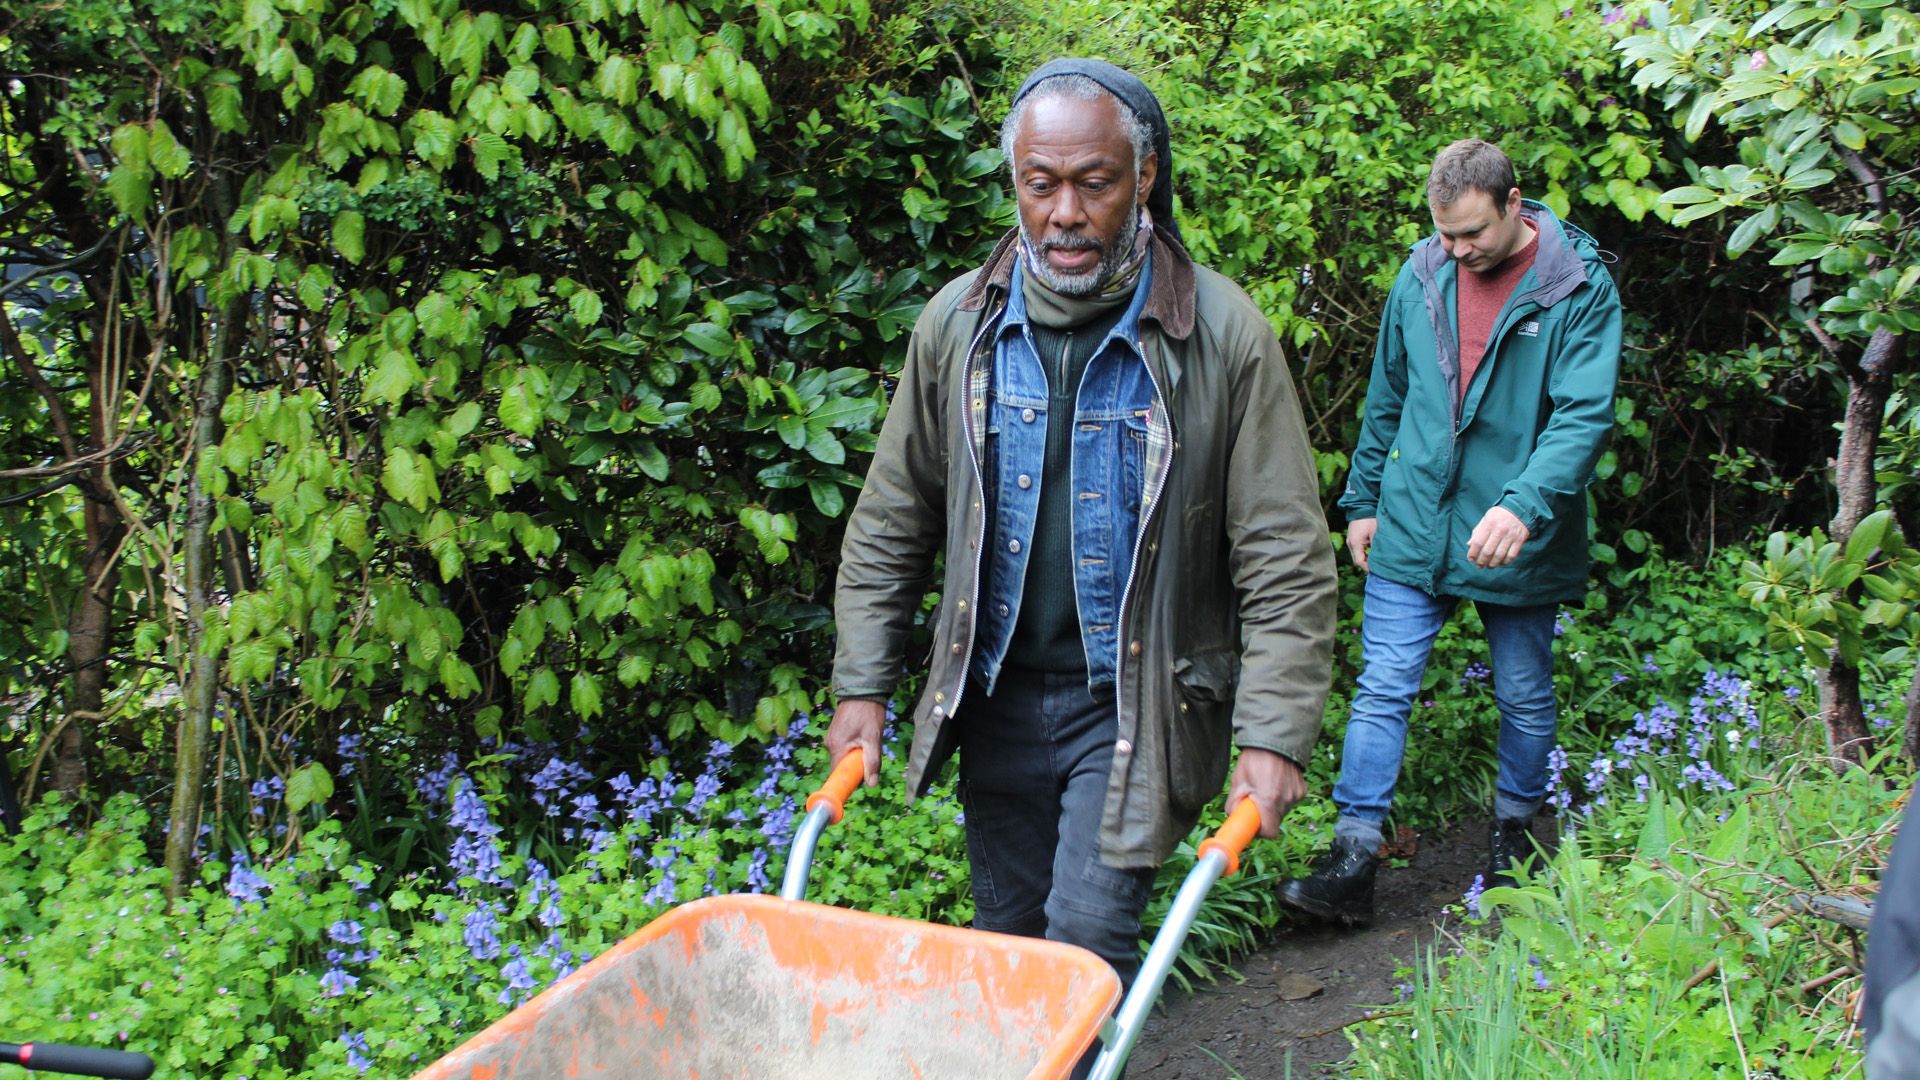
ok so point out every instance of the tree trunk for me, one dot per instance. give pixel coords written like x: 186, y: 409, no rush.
x: 1853, y: 472
x: 90, y: 633
x: 1848, y: 740
x: 199, y: 556
x: 1868, y: 386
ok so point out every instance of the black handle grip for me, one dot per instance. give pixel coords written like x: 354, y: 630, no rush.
x: 79, y: 1060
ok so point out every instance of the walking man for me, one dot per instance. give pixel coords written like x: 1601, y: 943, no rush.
x: 1491, y: 397
x: 1102, y: 438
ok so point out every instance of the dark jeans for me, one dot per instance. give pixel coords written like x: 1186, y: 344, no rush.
x: 1034, y: 760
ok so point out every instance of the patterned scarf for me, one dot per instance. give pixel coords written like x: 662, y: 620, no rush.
x: 1128, y: 275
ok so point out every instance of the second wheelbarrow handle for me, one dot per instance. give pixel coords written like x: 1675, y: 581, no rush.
x: 824, y: 808
x: 1218, y: 855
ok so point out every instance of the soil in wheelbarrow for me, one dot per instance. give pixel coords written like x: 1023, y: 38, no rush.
x: 1286, y: 1018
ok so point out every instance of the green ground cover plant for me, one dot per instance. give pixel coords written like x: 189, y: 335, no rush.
x: 1664, y: 940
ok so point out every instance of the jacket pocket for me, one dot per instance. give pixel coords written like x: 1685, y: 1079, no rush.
x: 1133, y: 458
x: 1201, y: 735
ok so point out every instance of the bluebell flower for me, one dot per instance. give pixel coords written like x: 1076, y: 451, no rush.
x: 705, y: 787
x: 1620, y: 677
x: 519, y: 979
x: 347, y: 932
x: 1647, y: 665
x: 350, y: 753
x: 662, y: 892
x: 357, y: 1051
x: 243, y: 884
x: 336, y: 981
x: 1598, y: 772
x: 1540, y: 980
x: 474, y: 853
x: 554, y: 784
x: 480, y: 933
x: 1475, y: 675
x: 433, y: 786
x: 1473, y: 893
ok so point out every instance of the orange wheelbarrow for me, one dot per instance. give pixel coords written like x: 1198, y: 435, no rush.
x: 757, y: 988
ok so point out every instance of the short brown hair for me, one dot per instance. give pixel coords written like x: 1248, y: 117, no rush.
x: 1471, y: 165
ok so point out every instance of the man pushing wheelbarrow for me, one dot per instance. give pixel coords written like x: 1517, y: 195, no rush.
x: 1103, y: 440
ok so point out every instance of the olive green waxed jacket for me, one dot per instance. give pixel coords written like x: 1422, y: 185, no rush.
x: 1227, y: 623
x: 1533, y: 422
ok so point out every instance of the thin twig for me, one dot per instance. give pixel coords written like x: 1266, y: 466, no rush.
x: 1733, y: 1025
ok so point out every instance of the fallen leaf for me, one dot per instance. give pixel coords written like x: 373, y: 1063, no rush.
x: 1299, y: 987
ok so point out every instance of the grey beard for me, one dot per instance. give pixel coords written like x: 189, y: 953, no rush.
x: 1117, y: 251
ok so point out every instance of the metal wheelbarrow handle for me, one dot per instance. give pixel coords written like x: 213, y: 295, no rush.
x: 1219, y: 856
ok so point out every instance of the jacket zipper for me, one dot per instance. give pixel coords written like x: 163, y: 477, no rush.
x: 980, y: 487
x: 1154, y: 488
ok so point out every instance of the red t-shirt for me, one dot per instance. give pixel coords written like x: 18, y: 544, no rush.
x: 1480, y: 298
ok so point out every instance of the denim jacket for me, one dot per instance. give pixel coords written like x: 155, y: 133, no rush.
x: 1107, y: 470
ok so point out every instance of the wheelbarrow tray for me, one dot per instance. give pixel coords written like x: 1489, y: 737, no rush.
x: 769, y: 989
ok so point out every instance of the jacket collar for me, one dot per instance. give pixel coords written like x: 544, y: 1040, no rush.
x: 1559, y: 267
x: 1170, y: 287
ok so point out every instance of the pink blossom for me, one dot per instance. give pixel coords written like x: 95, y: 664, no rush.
x: 1758, y: 60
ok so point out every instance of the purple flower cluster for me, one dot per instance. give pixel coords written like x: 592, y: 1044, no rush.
x: 645, y: 800
x: 475, y: 854
x: 245, y: 886
x: 519, y: 978
x: 350, y: 753
x: 1721, y: 718
x: 1476, y: 674
x: 433, y: 786
x: 555, y: 785
x: 480, y: 931
x: 338, y: 980
x: 263, y: 791
x: 1474, y: 891
x: 358, y: 1054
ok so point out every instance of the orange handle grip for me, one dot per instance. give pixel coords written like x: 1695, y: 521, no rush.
x: 1233, y: 837
x: 846, y: 777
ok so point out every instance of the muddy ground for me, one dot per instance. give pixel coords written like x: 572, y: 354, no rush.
x: 1285, y: 1018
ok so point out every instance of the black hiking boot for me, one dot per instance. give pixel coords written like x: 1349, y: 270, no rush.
x: 1341, y: 886
x: 1509, y: 845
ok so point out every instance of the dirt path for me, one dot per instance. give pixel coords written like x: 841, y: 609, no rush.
x: 1283, y: 1020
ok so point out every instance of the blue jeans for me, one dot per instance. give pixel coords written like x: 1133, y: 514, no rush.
x: 1397, y: 630
x: 1034, y: 760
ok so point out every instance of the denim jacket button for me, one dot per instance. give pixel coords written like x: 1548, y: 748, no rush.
x: 1025, y: 481
x: 957, y: 647
x: 1133, y: 649
x: 1026, y: 416
x: 1004, y: 609
x: 1123, y: 747
x: 1013, y: 546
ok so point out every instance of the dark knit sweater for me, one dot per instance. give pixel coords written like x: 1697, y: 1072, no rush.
x: 1046, y: 636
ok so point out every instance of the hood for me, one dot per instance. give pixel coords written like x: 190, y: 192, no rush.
x: 1560, y: 267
